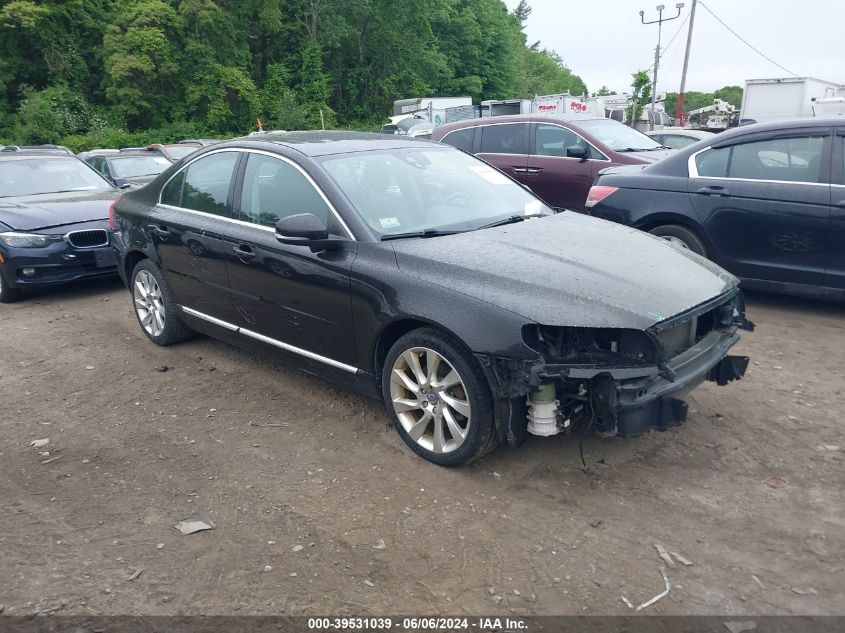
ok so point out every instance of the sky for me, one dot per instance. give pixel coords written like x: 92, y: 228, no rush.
x: 603, y: 41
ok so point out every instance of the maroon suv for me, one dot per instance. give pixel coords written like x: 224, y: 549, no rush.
x: 558, y: 158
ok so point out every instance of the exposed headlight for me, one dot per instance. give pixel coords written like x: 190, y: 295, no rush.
x: 597, y: 346
x: 24, y: 240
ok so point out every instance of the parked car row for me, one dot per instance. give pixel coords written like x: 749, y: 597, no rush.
x: 54, y: 209
x: 767, y: 202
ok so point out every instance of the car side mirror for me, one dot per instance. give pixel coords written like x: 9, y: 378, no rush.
x: 576, y: 151
x: 301, y: 229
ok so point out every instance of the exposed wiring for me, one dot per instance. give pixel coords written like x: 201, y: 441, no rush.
x: 741, y: 39
x: 586, y: 469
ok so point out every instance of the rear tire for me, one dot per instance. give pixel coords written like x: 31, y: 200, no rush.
x: 438, y: 398
x: 681, y: 236
x: 154, y: 307
x: 7, y: 293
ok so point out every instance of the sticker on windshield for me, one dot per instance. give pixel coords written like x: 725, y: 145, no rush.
x: 490, y: 175
x: 532, y: 206
x: 389, y: 223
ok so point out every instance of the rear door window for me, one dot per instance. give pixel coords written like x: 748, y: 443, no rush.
x: 790, y: 159
x: 507, y: 138
x: 797, y: 159
x: 207, y: 183
x: 713, y: 163
x: 462, y: 139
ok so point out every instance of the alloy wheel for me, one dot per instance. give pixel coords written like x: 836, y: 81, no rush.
x: 430, y: 400
x: 148, y: 303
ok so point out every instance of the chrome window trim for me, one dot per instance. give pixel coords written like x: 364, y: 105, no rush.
x: 563, y: 127
x: 692, y: 170
x: 270, y: 341
x: 284, y: 159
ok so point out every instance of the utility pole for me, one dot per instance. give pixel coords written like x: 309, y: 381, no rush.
x: 679, y: 110
x: 659, y: 21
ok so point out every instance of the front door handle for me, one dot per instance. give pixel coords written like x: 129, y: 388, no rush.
x: 520, y: 170
x: 714, y: 190
x: 533, y: 170
x: 243, y: 252
x: 160, y: 231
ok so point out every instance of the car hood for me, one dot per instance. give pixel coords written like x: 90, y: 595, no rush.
x: 652, y: 156
x: 28, y: 213
x: 568, y: 270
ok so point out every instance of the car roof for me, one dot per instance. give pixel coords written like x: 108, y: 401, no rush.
x: 324, y: 143
x: 524, y: 118
x: 29, y: 155
x: 775, y: 126
x: 36, y: 149
x: 131, y: 152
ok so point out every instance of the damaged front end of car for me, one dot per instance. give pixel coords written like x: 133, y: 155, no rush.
x: 616, y: 381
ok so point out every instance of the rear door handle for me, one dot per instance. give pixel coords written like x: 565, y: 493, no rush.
x: 533, y: 170
x: 520, y: 170
x: 714, y: 190
x: 159, y: 231
x: 243, y: 252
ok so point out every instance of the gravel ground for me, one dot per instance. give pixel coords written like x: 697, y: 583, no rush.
x: 319, y: 507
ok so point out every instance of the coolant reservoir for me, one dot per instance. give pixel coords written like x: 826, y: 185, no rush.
x: 542, y: 411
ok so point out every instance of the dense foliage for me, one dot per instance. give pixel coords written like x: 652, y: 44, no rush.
x: 695, y: 100
x: 103, y: 72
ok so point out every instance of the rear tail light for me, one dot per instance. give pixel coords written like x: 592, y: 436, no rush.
x: 112, y: 222
x: 599, y: 193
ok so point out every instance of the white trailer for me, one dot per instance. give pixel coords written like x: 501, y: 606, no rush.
x: 559, y: 104
x: 783, y: 99
x: 434, y: 108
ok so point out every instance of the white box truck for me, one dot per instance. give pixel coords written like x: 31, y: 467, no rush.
x: 783, y: 99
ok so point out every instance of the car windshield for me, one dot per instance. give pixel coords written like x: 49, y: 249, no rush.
x: 618, y: 137
x: 33, y: 176
x: 136, y: 166
x: 181, y: 151
x: 433, y: 189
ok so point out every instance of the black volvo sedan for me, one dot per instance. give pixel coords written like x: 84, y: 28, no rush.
x: 413, y: 272
x: 53, y: 221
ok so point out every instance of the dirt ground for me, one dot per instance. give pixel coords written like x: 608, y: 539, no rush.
x: 750, y: 489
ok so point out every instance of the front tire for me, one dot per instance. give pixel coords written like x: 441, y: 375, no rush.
x: 681, y: 236
x: 154, y: 306
x: 7, y: 293
x: 437, y: 398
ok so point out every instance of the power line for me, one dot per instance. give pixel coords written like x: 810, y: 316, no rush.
x: 740, y: 38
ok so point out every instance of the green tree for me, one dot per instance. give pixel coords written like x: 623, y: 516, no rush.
x: 640, y: 95
x: 140, y: 62
x: 731, y: 94
x: 227, y: 98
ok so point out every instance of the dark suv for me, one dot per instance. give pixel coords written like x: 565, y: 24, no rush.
x: 557, y: 158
